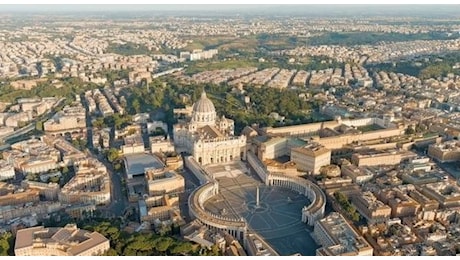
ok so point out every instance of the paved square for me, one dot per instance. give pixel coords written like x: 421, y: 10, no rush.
x: 277, y: 218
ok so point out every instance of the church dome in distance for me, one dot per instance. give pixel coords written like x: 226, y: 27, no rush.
x: 204, y: 105
x: 204, y: 112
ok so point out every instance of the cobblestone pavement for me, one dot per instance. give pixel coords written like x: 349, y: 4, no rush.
x: 277, y: 218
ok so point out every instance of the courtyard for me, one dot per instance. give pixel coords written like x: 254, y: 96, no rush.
x: 277, y: 217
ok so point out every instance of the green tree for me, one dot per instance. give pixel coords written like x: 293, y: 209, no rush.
x: 39, y: 125
x: 122, y: 243
x: 435, y: 70
x: 111, y: 252
x: 215, y: 250
x: 164, y: 243
x: 132, y: 131
x: 409, y: 130
x: 99, y: 123
x: 54, y: 179
x: 136, y: 105
x: 32, y: 177
x: 107, y: 230
x: 355, y: 216
x: 347, y: 206
x: 158, y: 97
x: 116, y: 120
x: 112, y: 154
x: 420, y: 128
x: 182, y: 248
x: 127, y: 49
x: 5, y: 243
x: 117, y: 166
x: 159, y: 131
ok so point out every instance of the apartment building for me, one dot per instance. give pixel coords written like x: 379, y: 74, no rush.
x: 91, y: 184
x: 160, y: 182
x: 445, y: 152
x: 446, y: 193
x: 160, y: 144
x: 12, y: 195
x: 72, y: 119
x: 359, y: 175
x: 6, y: 170
x: 32, y: 156
x: 311, y: 158
x: 47, y: 190
x: 371, y: 208
x: 401, y: 204
x: 133, y: 144
x: 56, y: 241
x: 338, y: 238
x: 373, y: 157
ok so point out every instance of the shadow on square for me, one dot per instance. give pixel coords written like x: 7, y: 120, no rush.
x: 277, y: 218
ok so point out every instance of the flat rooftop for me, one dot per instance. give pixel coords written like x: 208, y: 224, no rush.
x: 136, y: 164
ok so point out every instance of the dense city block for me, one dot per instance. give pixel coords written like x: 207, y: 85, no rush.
x: 252, y: 133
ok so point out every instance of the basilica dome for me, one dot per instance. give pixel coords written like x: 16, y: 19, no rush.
x: 204, y: 105
x: 204, y: 112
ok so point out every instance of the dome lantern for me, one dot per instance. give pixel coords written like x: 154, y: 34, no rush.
x: 204, y: 112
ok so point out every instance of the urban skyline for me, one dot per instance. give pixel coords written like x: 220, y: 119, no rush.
x: 236, y: 130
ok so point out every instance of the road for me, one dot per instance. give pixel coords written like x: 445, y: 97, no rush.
x: 119, y: 202
x: 156, y: 75
x: 450, y: 167
x: 191, y: 183
x: 31, y: 125
x: 20, y: 132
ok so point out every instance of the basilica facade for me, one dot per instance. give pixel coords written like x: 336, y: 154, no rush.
x: 208, y: 138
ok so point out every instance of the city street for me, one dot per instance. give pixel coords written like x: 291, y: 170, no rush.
x: 119, y: 202
x: 20, y: 134
x: 191, y: 183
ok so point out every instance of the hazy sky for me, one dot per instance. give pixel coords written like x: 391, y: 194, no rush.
x: 451, y: 10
